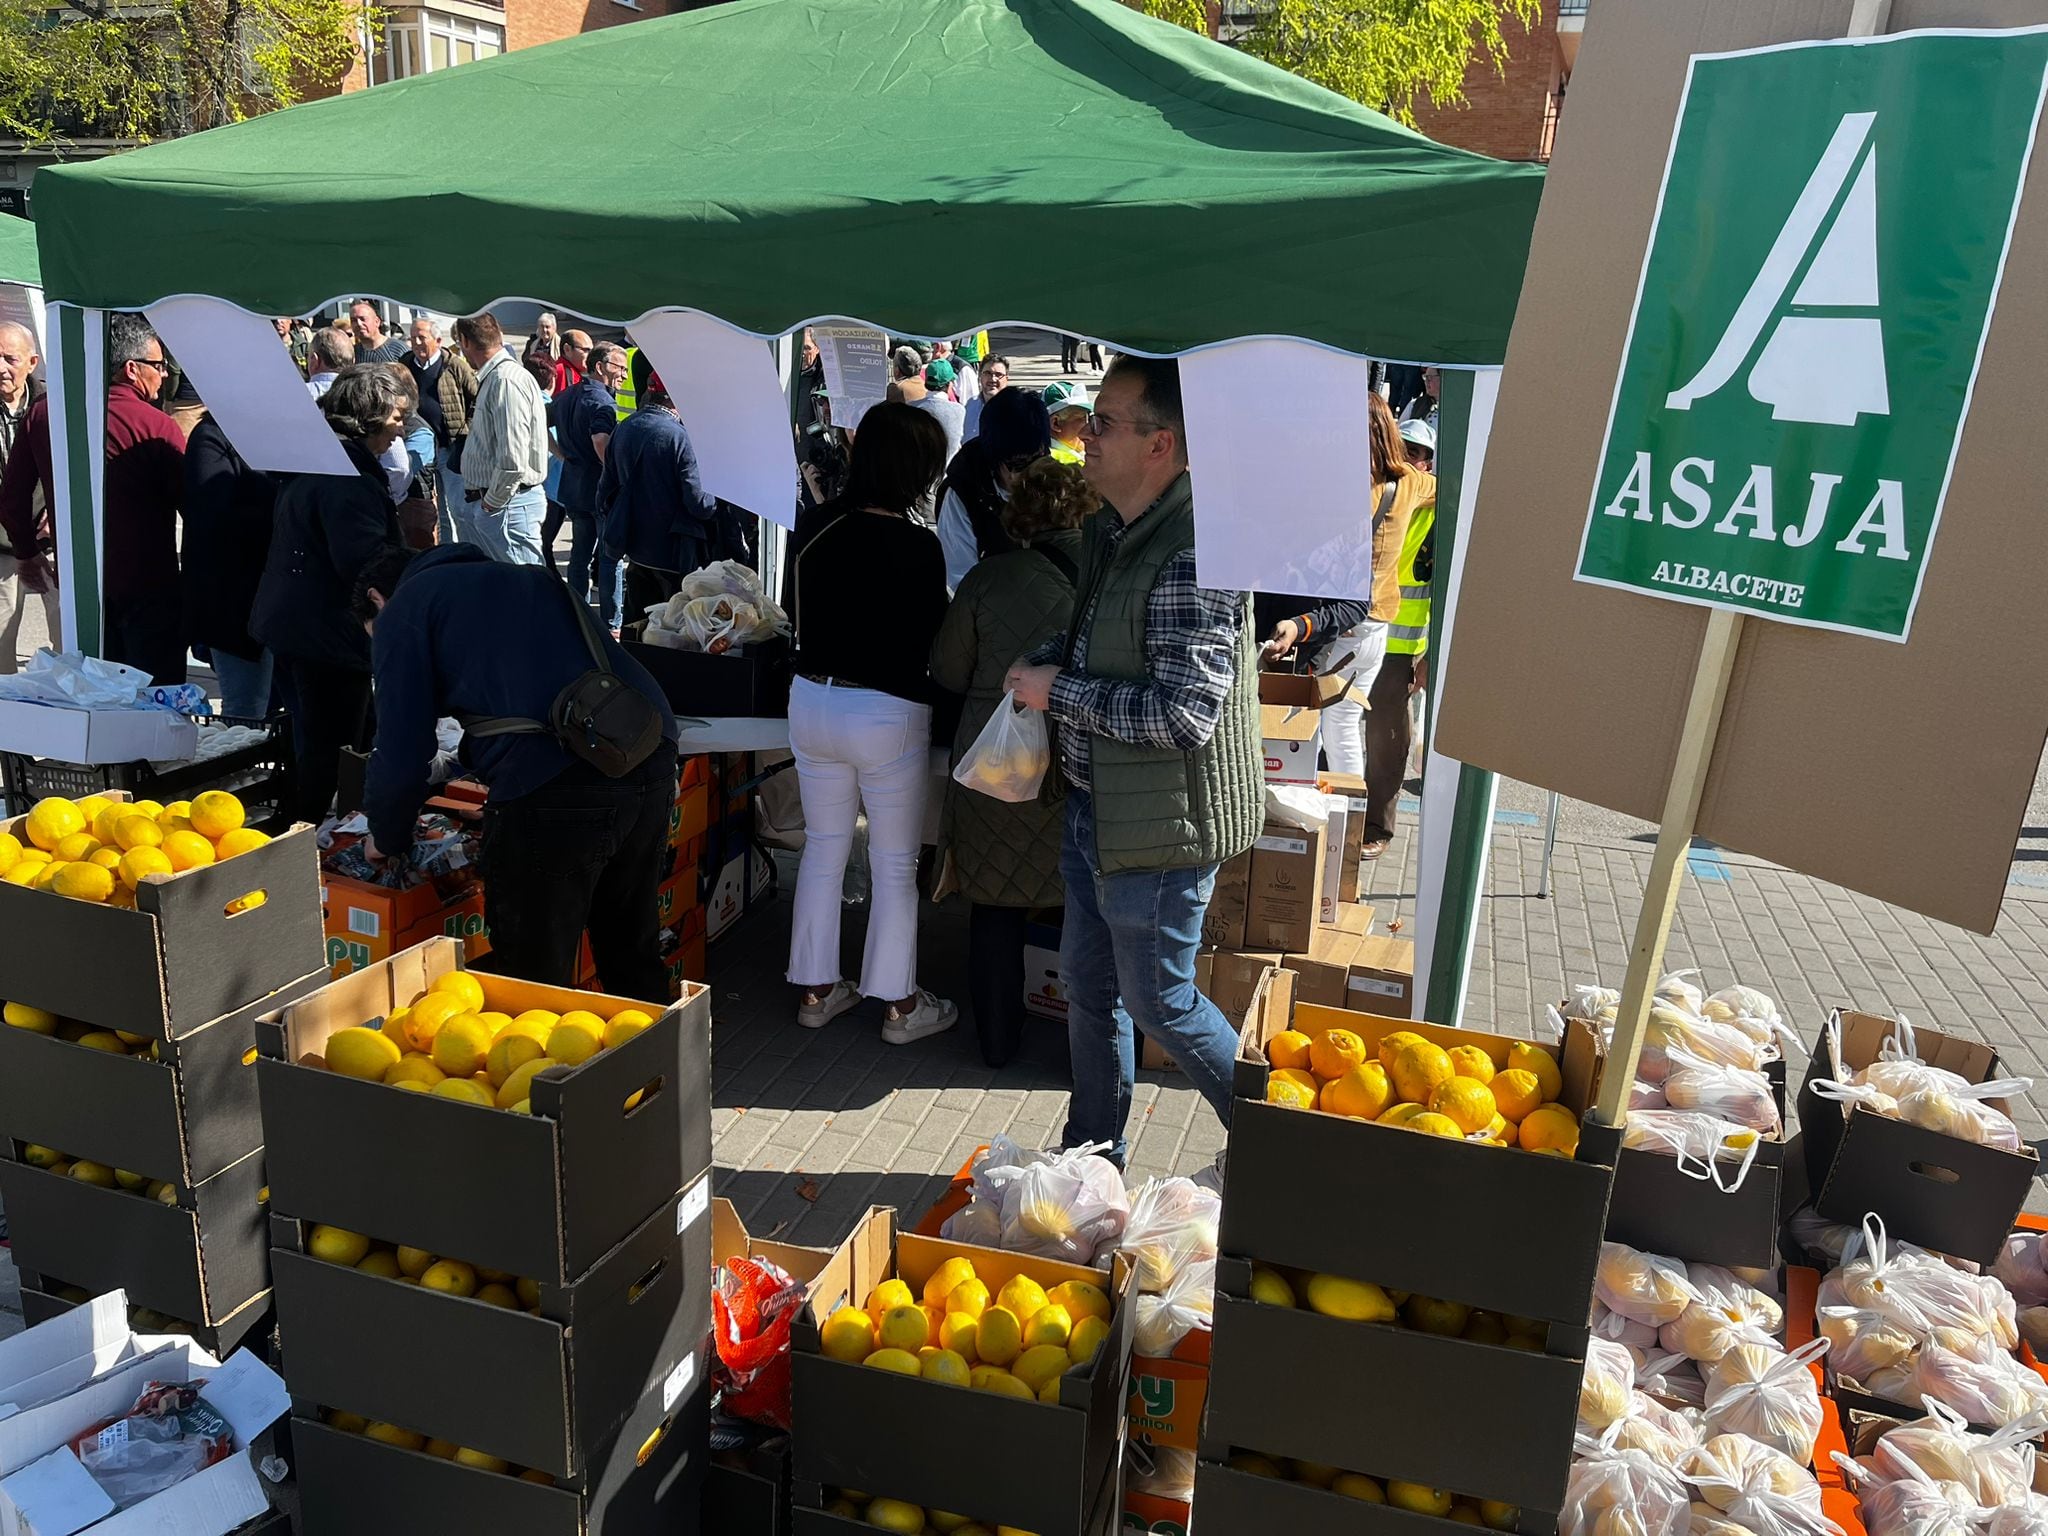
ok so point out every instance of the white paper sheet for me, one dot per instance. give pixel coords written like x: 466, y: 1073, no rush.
x: 856, y: 369
x: 727, y: 392
x: 1277, y: 447
x: 250, y: 384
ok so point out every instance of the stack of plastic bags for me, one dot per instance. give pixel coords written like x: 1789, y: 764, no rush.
x: 1908, y: 1326
x: 716, y: 609
x: 1901, y: 1086
x: 2022, y: 1268
x: 1171, y: 1243
x: 1935, y: 1477
x: 1069, y: 1206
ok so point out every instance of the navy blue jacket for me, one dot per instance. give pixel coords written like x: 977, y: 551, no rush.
x: 651, y: 504
x: 466, y: 635
x: 580, y: 413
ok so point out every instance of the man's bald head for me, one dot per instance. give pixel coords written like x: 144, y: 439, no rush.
x: 18, y: 360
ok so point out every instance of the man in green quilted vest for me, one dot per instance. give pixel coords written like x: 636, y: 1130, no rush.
x: 1153, y: 694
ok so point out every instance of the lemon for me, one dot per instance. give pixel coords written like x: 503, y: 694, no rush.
x: 497, y: 1023
x: 1430, y: 1123
x: 240, y: 841
x: 451, y: 1277
x: 904, y: 1327
x: 391, y: 1434
x: 943, y: 1365
x: 1314, y: 1473
x: 1467, y: 1101
x: 128, y: 1180
x: 890, y: 1293
x: 1466, y: 1514
x: 1550, y: 1128
x: 528, y: 1292
x: 187, y: 850
x: 588, y: 1022
x: 149, y: 808
x: 23, y: 873
x: 466, y: 1089
x: 93, y: 1173
x: 464, y: 1456
x: 337, y: 1246
x: 1485, y: 1328
x: 1516, y: 1091
x: 1531, y: 1057
x: 10, y: 851
x: 1254, y: 1463
x: 536, y: 1022
x: 624, y: 1025
x: 52, y: 820
x: 84, y: 882
x: 46, y: 876
x: 35, y: 1020
x: 347, y: 1423
x: 426, y: 1016
x: 901, y: 1361
x: 102, y: 1040
x: 1039, y: 1364
x: 441, y: 1450
x: 411, y: 1085
x: 215, y: 813
x: 1390, y: 1045
x: 1426, y: 1314
x: 360, y: 1052
x: 1499, y: 1516
x: 944, y: 1523
x: 167, y: 1193
x: 1334, y: 1052
x: 1022, y: 1296
x: 1050, y: 1324
x: 37, y: 1156
x: 107, y: 858
x: 461, y: 986
x: 1356, y: 1485
x: 498, y: 1294
x: 1470, y: 1061
x: 946, y: 1277
x: 535, y: 1475
x: 957, y: 1331
x: 998, y: 1336
x: 1401, y: 1114
x: 1419, y: 1069
x: 462, y: 1045
x: 1087, y: 1340
x: 1357, y: 1301
x: 1005, y: 1385
x: 970, y: 1296
x: 412, y: 1067
x: 1270, y: 1287
x: 848, y: 1335
x: 1362, y: 1093
x: 508, y: 1053
x: 519, y: 1085
x: 1418, y: 1499
x: 137, y: 831
x: 1081, y: 1300
x: 1292, y: 1088
x: 383, y: 1264
x: 895, y: 1515
x: 79, y: 845
x: 1289, y: 1048
x: 571, y: 1044
x: 414, y: 1262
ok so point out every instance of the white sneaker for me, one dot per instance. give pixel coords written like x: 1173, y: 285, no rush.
x: 931, y: 1016
x: 827, y: 1008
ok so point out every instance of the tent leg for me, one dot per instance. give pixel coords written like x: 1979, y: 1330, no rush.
x: 1550, y: 816
x: 78, y: 423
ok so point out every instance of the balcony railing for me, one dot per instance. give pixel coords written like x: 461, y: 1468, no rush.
x: 1571, y: 8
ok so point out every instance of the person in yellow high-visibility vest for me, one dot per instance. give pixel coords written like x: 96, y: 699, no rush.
x: 627, y: 396
x: 1389, y: 726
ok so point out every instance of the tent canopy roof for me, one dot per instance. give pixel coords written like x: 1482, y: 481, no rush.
x: 924, y: 165
x: 18, y: 252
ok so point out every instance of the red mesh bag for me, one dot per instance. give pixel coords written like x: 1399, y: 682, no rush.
x: 753, y: 1304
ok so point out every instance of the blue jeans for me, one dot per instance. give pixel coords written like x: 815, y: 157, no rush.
x: 1128, y: 956
x: 244, y: 685
x: 583, y: 556
x: 510, y: 534
x: 450, y: 480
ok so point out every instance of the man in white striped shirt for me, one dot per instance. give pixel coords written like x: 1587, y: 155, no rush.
x: 505, y: 460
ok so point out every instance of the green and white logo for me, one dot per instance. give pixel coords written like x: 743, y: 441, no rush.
x: 1828, y: 245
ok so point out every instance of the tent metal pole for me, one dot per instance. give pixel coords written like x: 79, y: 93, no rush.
x: 77, y: 452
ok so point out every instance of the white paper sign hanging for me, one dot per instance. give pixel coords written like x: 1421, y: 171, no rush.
x: 726, y: 390
x: 250, y: 385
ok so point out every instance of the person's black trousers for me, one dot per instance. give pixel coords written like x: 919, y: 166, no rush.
x: 149, y: 635
x: 995, y: 960
x: 330, y: 709
x: 582, y: 851
x: 550, y: 525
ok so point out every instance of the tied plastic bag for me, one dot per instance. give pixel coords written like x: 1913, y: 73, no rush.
x: 1728, y: 1312
x: 753, y: 1304
x: 1987, y: 1386
x: 1173, y: 1225
x: 1644, y: 1286
x: 1915, y: 1505
x: 1611, y: 1491
x: 1674, y: 1379
x: 2019, y: 1268
x: 1918, y: 1289
x: 2024, y: 1517
x: 1736, y: 1094
x: 716, y: 608
x: 1069, y: 1208
x: 1598, y: 1004
x: 1707, y: 1148
x: 1008, y: 760
x: 1862, y: 1343
x: 1606, y: 1323
x: 1993, y: 1468
x: 980, y: 1221
x: 1963, y: 1114
x: 1756, y: 1485
x: 1607, y: 1386
x: 1663, y: 1432
x: 1187, y: 1303
x: 1674, y: 987
x: 1778, y: 1406
x: 1714, y: 1042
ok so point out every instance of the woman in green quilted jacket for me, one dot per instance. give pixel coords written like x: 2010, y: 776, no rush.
x: 1006, y: 858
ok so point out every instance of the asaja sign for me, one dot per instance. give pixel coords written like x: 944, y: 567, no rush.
x: 1829, y: 242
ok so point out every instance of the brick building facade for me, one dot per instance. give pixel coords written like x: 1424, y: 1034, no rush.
x: 1512, y: 113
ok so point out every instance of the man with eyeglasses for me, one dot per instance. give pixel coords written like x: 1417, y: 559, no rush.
x: 993, y: 378
x: 979, y: 478
x: 1154, y: 696
x: 143, y: 622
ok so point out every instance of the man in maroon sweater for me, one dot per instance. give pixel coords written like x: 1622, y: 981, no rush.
x: 143, y: 623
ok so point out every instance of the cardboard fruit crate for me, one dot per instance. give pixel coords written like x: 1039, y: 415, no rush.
x: 1952, y: 1196
x: 927, y: 1442
x: 746, y: 1492
x: 204, y: 1260
x: 1294, y: 1189
x: 544, y: 1195
x: 1167, y: 1393
x: 183, y: 1116
x: 650, y: 1485
x: 810, y: 1517
x: 562, y: 1381
x: 1147, y: 1514
x: 45, y: 1296
x: 180, y: 959
x: 1236, y: 1503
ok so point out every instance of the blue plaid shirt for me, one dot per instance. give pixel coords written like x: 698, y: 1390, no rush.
x: 1191, y: 638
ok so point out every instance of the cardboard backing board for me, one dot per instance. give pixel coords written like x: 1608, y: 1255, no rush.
x: 1953, y: 1196
x: 649, y: 1487
x: 1545, y: 665
x: 546, y: 1194
x: 183, y: 1117
x: 1235, y: 1503
x: 564, y: 1381
x: 180, y: 960
x: 200, y: 1261
x: 1548, y: 1212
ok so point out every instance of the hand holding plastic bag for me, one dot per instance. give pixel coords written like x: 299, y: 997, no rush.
x: 1009, y: 758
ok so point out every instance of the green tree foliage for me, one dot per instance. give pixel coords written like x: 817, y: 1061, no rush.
x: 1382, y: 53
x: 126, y: 70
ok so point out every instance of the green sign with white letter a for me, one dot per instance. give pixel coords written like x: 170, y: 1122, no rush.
x: 1827, y: 249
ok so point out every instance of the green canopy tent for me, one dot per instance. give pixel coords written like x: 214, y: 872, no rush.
x: 924, y: 166
x: 18, y: 263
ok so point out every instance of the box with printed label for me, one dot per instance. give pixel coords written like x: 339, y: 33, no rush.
x: 1350, y: 788
x: 692, y: 813
x: 1293, y: 742
x: 564, y: 1376
x: 1147, y: 1514
x: 1045, y: 995
x: 1167, y: 1393
x: 1223, y: 922
x: 1382, y: 976
x: 367, y: 923
x: 1323, y: 974
x: 1286, y: 889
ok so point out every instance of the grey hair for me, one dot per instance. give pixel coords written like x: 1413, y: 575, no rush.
x: 362, y: 400
x: 420, y: 317
x: 128, y: 339
x: 332, y: 347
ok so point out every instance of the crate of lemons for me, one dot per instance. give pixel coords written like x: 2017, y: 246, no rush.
x: 86, y: 1171
x: 1017, y: 1341
x: 1419, y: 1085
x: 1416, y: 1498
x: 115, y: 1042
x: 447, y: 1450
x: 886, y: 1514
x: 1360, y: 1301
x: 449, y: 1043
x: 102, y: 850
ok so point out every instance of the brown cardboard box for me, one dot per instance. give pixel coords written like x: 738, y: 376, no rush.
x: 1286, y: 890
x: 1336, y: 814
x: 1234, y: 977
x: 1382, y: 978
x: 1223, y: 924
x: 1351, y: 788
x: 1293, y: 741
x: 1354, y: 918
x: 1322, y: 975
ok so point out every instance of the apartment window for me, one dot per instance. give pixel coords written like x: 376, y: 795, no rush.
x: 431, y: 40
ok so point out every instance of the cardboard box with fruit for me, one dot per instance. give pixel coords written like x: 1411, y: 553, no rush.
x: 170, y: 923
x: 847, y: 1511
x: 420, y: 1069
x: 1252, y: 1494
x: 917, y: 1357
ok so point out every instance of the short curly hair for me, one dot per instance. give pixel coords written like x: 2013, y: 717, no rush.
x: 1049, y: 495
x: 362, y: 400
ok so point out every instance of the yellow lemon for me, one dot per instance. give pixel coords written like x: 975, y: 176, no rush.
x: 149, y: 808
x: 904, y: 1327
x: 1390, y: 1045
x: 37, y: 1156
x: 23, y: 873
x: 624, y: 1025
x: 1022, y: 1296
x: 518, y: 1087
x: 414, y: 1262
x: 107, y: 858
x: 1485, y: 1328
x: 79, y: 845
x: 394, y: 1029
x: 1289, y: 1048
x: 36, y: 1020
x: 451, y: 1277
x: 999, y: 1337
x: 943, y: 1365
x: 1516, y: 1091
x: 1401, y: 1114
x: 187, y: 850
x: 215, y: 813
x: 360, y: 1052
x: 1087, y: 1340
x: 179, y: 810
x: 440, y: 1450
x: 901, y: 1361
x: 1005, y: 1385
x: 584, y: 1019
x: 957, y: 1332
x: 1428, y: 1314
x: 946, y: 1277
x: 240, y: 841
x: 10, y: 851
x: 1431, y: 1123
x: 508, y: 1053
x: 136, y: 830
x: 1270, y: 1287
x: 1467, y: 1102
x: 1356, y: 1485
x: 461, y: 986
x: 1550, y: 1128
x: 90, y: 806
x: 528, y: 1292
x: 535, y: 1022
x: 84, y: 882
x: 1418, y: 1499
x: 1314, y: 1473
x: 52, y: 820
x: 1039, y: 1364
x: 412, y: 1067
x: 1292, y: 1088
x: 1363, y: 1093
x: 1470, y: 1061
x: 94, y: 1173
x: 424, y: 1019
x: 1420, y: 1068
x: 1334, y: 1052
x: 890, y: 1293
x: 1499, y: 1516
x: 848, y: 1335
x: 466, y: 1089
x: 383, y: 1264
x: 102, y: 1040
x: 497, y: 1022
x: 106, y: 818
x: 46, y: 875
x: 462, y: 1045
x: 498, y: 1294
x: 1531, y: 1057
x: 969, y: 1296
x: 1254, y: 1463
x: 572, y: 1044
x: 482, y: 1461
x: 1050, y: 1324
x: 391, y: 1434
x: 1080, y: 1299
x: 895, y: 1515
x: 1357, y: 1301
x: 336, y: 1246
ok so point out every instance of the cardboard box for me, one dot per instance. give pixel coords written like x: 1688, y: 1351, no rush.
x: 1146, y: 1514
x: 1286, y: 889
x: 1223, y: 922
x: 1533, y: 1256
x: 1382, y: 977
x: 202, y: 1260
x: 1333, y: 858
x: 1167, y: 1393
x: 71, y: 735
x: 1234, y: 979
x: 546, y: 1194
x: 1350, y: 788
x: 1953, y: 1196
x: 810, y: 1518
x: 746, y: 1491
x: 874, y: 1430
x: 44, y: 1297
x: 1353, y: 918
x: 183, y: 1117
x: 1323, y: 974
x: 675, y: 896
x: 1293, y: 742
x: 652, y: 1484
x: 1235, y: 1503
x: 365, y: 923
x: 692, y: 813
x: 1045, y: 995
x: 178, y: 961
x: 727, y: 899
x: 51, y: 1360
x: 1302, y: 690
x: 562, y: 1381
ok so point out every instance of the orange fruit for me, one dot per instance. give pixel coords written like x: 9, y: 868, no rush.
x: 1335, y: 1052
x: 1516, y: 1092
x: 1363, y: 1093
x: 1289, y: 1048
x: 1292, y: 1088
x: 1468, y: 1102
